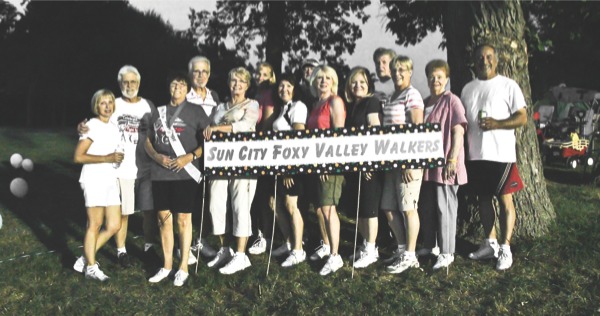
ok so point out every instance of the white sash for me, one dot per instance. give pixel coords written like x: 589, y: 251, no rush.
x: 176, y: 144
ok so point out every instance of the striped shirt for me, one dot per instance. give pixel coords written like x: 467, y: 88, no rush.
x: 395, y: 110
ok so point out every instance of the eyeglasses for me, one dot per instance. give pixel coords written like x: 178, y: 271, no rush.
x: 130, y: 83
x: 178, y: 85
x: 201, y: 72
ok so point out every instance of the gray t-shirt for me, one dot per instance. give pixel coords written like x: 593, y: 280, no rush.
x: 189, y: 125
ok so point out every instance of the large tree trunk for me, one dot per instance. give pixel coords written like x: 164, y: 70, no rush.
x: 275, y: 33
x: 466, y: 25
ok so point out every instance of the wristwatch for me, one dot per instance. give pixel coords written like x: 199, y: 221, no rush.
x: 194, y: 156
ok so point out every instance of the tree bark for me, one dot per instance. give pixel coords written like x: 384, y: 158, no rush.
x: 275, y: 35
x: 501, y: 24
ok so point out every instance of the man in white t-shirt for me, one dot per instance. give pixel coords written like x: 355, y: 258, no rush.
x: 384, y: 85
x: 495, y: 107
x: 199, y: 73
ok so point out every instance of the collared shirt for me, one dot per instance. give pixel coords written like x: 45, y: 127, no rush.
x: 208, y: 103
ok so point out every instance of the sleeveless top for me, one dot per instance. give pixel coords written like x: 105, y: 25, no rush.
x: 320, y: 117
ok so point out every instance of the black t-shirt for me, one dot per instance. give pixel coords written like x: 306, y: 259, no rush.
x: 358, y: 111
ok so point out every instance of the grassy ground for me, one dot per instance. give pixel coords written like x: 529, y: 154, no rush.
x: 557, y: 274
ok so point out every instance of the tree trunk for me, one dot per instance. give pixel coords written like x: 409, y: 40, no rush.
x: 275, y: 34
x: 501, y: 24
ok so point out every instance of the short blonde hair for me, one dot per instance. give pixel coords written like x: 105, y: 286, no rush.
x: 240, y: 71
x: 98, y: 96
x: 328, y: 71
x: 357, y: 71
x: 272, y: 79
x: 402, y: 60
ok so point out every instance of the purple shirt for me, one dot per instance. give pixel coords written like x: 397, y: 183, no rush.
x: 449, y: 112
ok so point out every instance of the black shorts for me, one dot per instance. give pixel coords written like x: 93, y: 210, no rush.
x: 295, y: 190
x: 176, y: 196
x: 370, y: 194
x: 143, y: 194
x: 493, y: 178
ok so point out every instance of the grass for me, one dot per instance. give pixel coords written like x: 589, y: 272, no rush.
x: 557, y: 274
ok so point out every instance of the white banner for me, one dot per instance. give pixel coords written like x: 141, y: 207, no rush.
x: 325, y: 151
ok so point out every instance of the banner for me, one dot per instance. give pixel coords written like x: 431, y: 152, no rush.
x: 325, y: 151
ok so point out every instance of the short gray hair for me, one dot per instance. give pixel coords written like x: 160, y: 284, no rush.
x: 197, y: 59
x: 128, y: 69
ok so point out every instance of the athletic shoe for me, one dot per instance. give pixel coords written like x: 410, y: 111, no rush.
x: 94, y: 273
x: 191, y: 258
x: 505, y: 260
x: 396, y: 254
x: 79, y: 264
x: 295, y: 257
x: 321, y: 252
x: 180, y: 278
x: 334, y: 262
x: 427, y: 251
x: 160, y: 275
x: 359, y: 250
x: 239, y: 262
x: 403, y: 263
x: 224, y: 255
x: 282, y: 250
x: 366, y: 258
x: 124, y: 260
x: 205, y: 249
x: 259, y: 246
x: 487, y: 250
x: 443, y: 260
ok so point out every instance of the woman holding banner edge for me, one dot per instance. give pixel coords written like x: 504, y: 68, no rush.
x: 328, y: 112
x: 365, y: 110
x: 438, y: 203
x: 240, y: 114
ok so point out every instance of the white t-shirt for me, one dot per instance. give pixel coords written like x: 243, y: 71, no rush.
x: 105, y: 137
x: 296, y: 112
x: 395, y: 110
x: 499, y: 97
x: 208, y: 103
x: 127, y: 117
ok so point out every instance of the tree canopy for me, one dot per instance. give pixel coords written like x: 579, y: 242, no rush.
x: 272, y: 29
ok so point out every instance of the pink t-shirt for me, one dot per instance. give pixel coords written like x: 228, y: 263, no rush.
x: 394, y: 112
x: 265, y: 101
x: 449, y: 112
x: 320, y: 117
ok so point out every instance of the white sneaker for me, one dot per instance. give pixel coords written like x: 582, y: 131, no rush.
x: 94, y: 273
x: 180, y: 278
x: 427, y: 251
x: 282, y: 250
x: 224, y: 255
x: 205, y: 249
x: 366, y: 258
x: 321, y: 252
x: 487, y: 250
x: 403, y: 263
x: 334, y: 262
x: 160, y: 275
x: 443, y: 260
x: 396, y: 254
x: 259, y: 246
x: 295, y: 257
x: 505, y: 260
x: 79, y: 264
x: 191, y: 258
x: 239, y: 262
x: 359, y: 250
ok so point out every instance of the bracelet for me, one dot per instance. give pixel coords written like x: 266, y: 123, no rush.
x: 451, y: 160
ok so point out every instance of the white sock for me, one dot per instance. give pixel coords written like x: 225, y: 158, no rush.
x: 370, y: 247
x: 492, y: 240
x: 298, y: 252
x: 121, y: 250
x: 410, y: 254
x: 505, y: 248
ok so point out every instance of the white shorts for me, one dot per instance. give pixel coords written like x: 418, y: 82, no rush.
x: 127, y: 196
x: 400, y: 196
x: 101, y: 193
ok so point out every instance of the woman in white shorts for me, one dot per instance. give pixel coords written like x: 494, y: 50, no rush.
x: 96, y: 150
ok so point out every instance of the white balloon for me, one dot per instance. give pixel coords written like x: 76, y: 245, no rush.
x: 19, y: 187
x: 15, y: 160
x: 27, y: 165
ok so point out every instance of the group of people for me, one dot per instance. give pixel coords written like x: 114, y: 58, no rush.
x: 138, y: 156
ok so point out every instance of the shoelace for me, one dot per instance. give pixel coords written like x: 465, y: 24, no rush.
x: 257, y: 242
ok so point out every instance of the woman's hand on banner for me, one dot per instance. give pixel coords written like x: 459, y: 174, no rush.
x: 288, y: 182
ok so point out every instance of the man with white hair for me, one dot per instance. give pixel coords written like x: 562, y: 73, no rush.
x: 132, y: 115
x: 200, y: 94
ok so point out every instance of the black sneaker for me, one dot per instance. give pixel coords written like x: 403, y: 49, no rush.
x: 124, y: 260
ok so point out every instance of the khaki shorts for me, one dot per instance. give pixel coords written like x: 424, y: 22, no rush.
x: 398, y: 195
x: 330, y: 191
x: 127, y: 196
